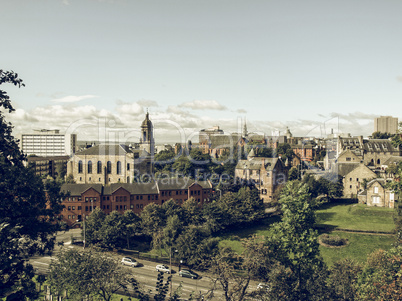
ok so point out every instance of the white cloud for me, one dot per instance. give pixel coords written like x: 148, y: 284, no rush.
x: 148, y: 103
x: 204, y: 105
x: 241, y: 111
x: 73, y: 98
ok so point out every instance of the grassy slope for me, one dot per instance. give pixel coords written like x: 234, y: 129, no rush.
x: 344, y: 215
x: 356, y: 217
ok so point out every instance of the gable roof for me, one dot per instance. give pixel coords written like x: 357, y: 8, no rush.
x: 345, y: 168
x: 78, y: 189
x: 132, y: 188
x: 180, y: 183
x: 106, y: 150
x: 256, y: 163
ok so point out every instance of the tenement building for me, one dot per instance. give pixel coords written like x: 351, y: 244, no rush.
x: 84, y: 198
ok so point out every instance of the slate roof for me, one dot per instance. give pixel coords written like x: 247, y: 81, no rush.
x: 132, y: 188
x: 255, y: 163
x: 107, y: 150
x: 180, y: 183
x: 379, y: 145
x: 78, y: 189
x: 345, y: 168
x: 393, y: 160
x: 381, y: 181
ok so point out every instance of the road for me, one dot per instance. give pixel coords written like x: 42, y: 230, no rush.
x: 146, y: 273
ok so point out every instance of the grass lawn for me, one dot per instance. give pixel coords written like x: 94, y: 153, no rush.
x: 356, y: 217
x: 359, y: 246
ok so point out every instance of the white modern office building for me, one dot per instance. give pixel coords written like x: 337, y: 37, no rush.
x: 47, y: 143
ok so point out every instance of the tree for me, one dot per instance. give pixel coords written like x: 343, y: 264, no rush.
x: 85, y: 273
x: 396, y: 186
x: 343, y: 278
x: 225, y: 268
x: 381, y: 278
x: 379, y: 135
x: 93, y: 225
x: 28, y: 215
x: 295, y: 246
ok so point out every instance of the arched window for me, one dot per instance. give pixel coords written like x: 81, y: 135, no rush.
x: 109, y: 167
x: 118, y: 168
x: 378, y: 161
x: 89, y: 166
x: 80, y: 166
x: 99, y: 167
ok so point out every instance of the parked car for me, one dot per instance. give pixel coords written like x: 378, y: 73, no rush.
x: 162, y: 268
x: 263, y: 287
x: 188, y: 274
x: 129, y: 261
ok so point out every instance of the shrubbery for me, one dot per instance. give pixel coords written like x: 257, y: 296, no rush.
x: 333, y: 240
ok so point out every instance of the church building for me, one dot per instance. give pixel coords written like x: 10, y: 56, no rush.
x: 115, y: 163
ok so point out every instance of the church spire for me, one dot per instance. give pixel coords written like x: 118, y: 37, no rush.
x: 245, y: 133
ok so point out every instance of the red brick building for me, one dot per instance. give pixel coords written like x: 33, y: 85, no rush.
x: 84, y: 198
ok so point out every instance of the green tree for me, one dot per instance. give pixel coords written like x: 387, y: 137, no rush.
x: 93, y: 224
x: 87, y: 274
x: 379, y: 135
x: 153, y: 219
x: 28, y: 215
x: 396, y: 186
x: 381, y: 278
x: 294, y: 241
x: 343, y: 279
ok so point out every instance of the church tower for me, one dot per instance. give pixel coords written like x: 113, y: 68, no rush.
x: 147, y: 142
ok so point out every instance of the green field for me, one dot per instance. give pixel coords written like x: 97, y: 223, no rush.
x: 358, y: 247
x: 344, y: 215
x: 356, y: 217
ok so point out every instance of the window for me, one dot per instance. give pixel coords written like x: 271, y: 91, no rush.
x: 118, y: 168
x: 89, y: 166
x: 348, y: 159
x: 73, y: 208
x: 79, y: 208
x: 117, y: 207
x: 69, y: 207
x: 80, y: 166
x: 99, y: 167
x: 375, y: 189
x: 131, y: 206
x: 128, y: 166
x: 376, y: 199
x: 109, y: 167
x: 391, y: 196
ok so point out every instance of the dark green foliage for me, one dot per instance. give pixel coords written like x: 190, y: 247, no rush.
x: 379, y: 135
x: 27, y: 214
x: 332, y: 240
x: 343, y: 279
x: 87, y: 273
x: 300, y: 272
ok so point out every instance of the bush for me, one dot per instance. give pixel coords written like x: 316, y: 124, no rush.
x: 333, y: 240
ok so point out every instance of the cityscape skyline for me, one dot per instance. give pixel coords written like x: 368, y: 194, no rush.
x: 311, y: 66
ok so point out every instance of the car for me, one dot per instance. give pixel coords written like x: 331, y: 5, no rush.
x: 188, y: 274
x: 263, y: 287
x: 162, y: 268
x: 129, y: 261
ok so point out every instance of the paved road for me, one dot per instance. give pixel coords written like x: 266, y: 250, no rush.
x: 146, y: 273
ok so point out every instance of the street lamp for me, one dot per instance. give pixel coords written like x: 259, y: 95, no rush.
x: 170, y: 268
x: 220, y: 193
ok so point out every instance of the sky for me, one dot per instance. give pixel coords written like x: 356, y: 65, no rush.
x: 94, y: 67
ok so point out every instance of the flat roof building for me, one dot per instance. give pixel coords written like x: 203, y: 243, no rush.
x: 47, y: 143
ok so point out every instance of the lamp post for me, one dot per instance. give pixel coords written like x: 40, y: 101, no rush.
x: 220, y: 193
x: 84, y: 231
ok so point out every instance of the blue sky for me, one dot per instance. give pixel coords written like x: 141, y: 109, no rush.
x: 308, y: 65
